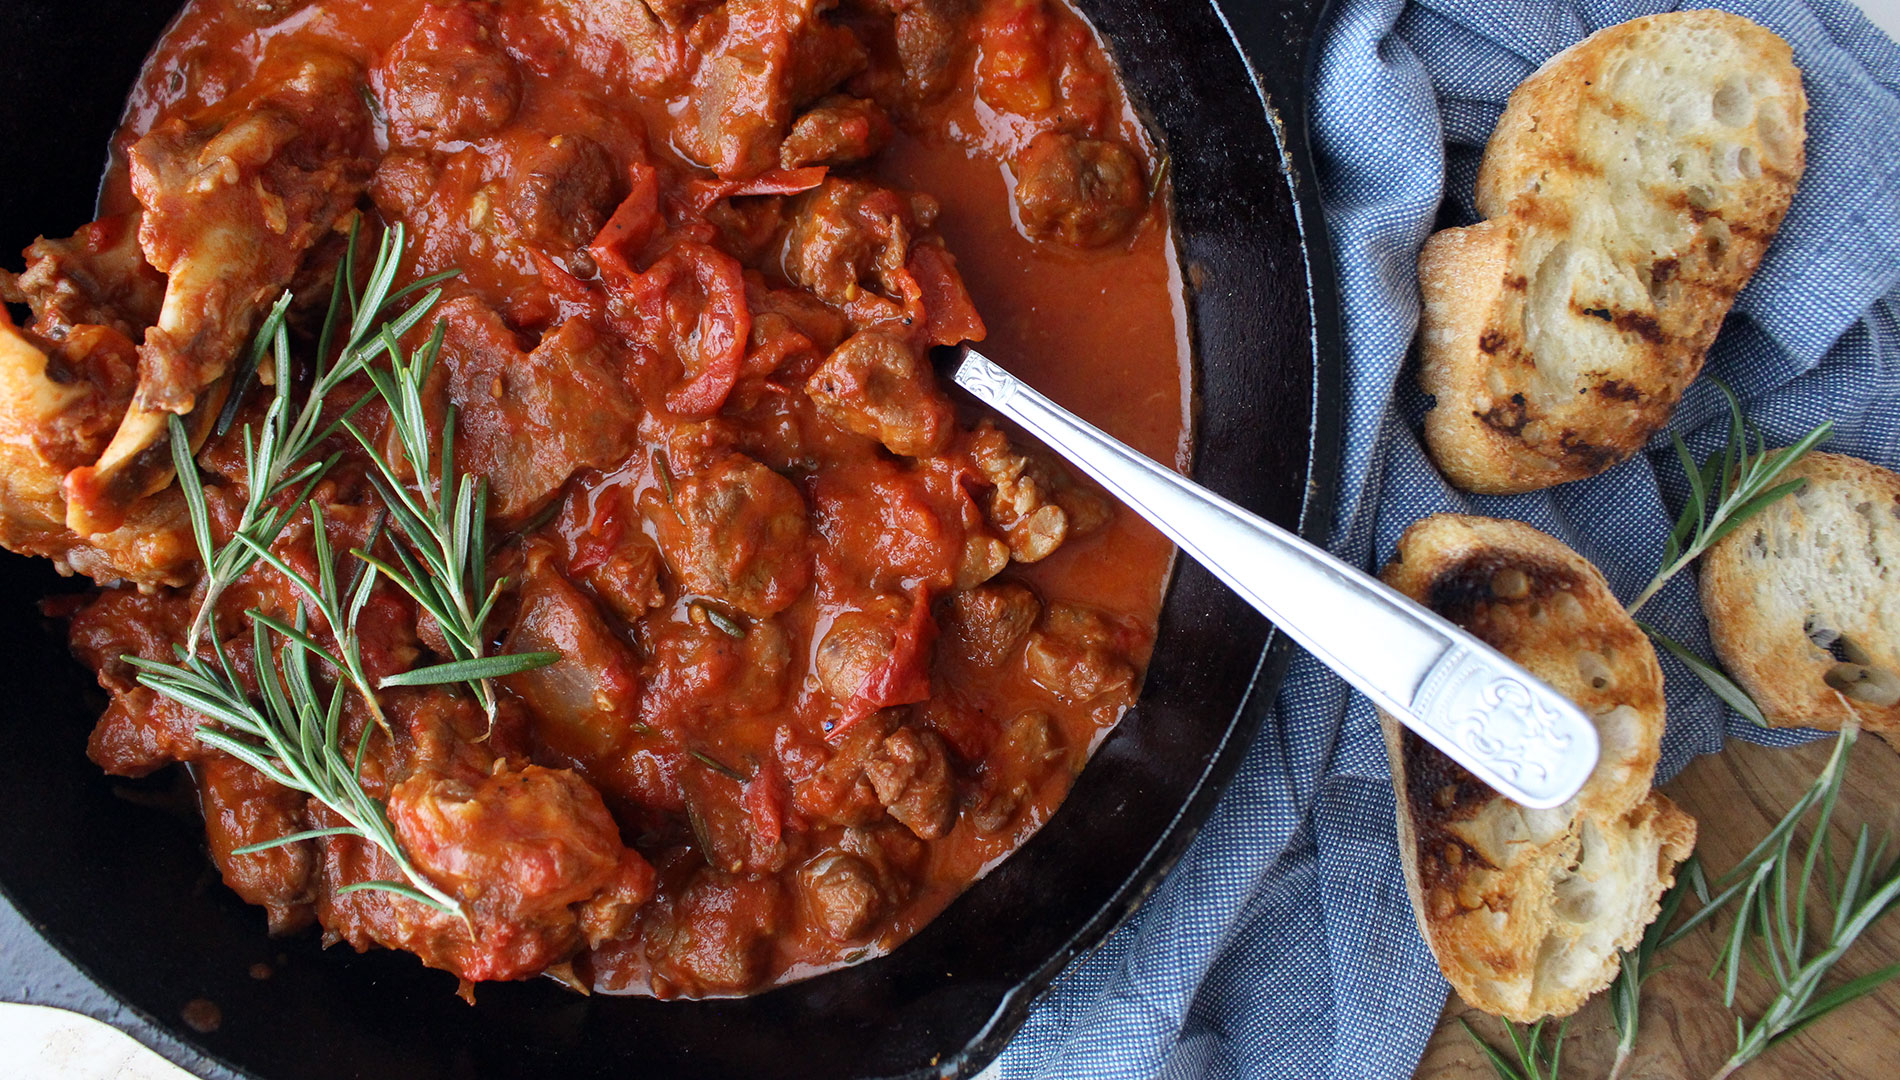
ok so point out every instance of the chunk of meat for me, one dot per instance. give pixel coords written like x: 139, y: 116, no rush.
x: 696, y: 669
x: 524, y: 850
x: 1081, y: 655
x: 559, y: 192
x: 877, y: 657
x: 448, y: 79
x: 528, y: 421
x: 731, y: 837
x: 837, y: 130
x: 140, y: 732
x: 1028, y: 749
x: 842, y: 893
x: 737, y: 533
x: 98, y: 277
x: 761, y: 58
x: 930, y: 40
x: 241, y: 807
x: 984, y: 625
x: 619, y: 41
x: 233, y: 200
x: 585, y: 702
x: 911, y: 774
x: 1083, y: 192
x: 879, y: 385
x: 848, y: 237
x: 838, y: 792
x: 64, y: 402
x: 716, y: 937
x: 442, y: 731
x: 1030, y: 501
x: 623, y: 568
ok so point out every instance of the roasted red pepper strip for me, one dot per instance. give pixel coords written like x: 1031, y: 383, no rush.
x: 701, y: 194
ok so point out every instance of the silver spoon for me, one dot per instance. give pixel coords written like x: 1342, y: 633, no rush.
x: 1484, y: 711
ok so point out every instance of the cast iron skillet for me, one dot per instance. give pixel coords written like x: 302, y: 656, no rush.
x: 113, y: 874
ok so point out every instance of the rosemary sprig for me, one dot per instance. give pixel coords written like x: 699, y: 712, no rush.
x: 1744, y: 482
x: 1771, y: 889
x: 444, y: 564
x: 1639, y: 964
x: 275, y: 454
x: 1536, y: 1059
x: 293, y: 738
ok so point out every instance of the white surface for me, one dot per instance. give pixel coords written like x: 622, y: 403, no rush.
x: 48, y: 1044
x: 1885, y: 14
x: 40, y: 1044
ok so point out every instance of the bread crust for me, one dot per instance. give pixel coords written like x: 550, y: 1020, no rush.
x: 1526, y: 910
x: 1809, y: 588
x: 1631, y: 188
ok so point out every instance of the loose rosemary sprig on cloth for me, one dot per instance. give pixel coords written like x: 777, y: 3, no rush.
x: 1536, y: 1058
x: 444, y: 566
x: 274, y: 455
x: 1745, y: 482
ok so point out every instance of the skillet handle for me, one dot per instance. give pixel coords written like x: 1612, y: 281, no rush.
x: 1484, y: 711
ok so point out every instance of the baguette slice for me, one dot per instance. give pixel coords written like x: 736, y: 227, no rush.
x: 1526, y: 910
x: 1803, y: 599
x: 1630, y: 188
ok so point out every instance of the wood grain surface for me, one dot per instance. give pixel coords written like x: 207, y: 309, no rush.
x: 1686, y: 1032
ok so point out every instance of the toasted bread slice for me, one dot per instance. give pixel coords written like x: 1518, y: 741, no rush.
x: 1525, y: 909
x: 1803, y: 599
x: 1630, y: 188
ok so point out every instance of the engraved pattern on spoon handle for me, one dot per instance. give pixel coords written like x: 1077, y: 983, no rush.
x: 1484, y: 711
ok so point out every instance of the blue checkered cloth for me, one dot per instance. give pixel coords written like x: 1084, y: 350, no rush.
x: 1284, y: 945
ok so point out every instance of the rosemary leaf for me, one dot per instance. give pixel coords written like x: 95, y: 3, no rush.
x: 718, y: 766
x: 487, y: 667
x: 307, y: 834
x: 720, y: 621
x: 1725, y: 688
x: 1535, y: 1058
x: 193, y: 486
x: 663, y: 471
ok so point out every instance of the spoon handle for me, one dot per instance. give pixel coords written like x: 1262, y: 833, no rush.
x: 1484, y: 711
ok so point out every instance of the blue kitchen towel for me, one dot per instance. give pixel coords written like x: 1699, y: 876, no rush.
x: 1284, y: 945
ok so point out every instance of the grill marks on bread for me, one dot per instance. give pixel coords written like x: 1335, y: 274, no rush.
x: 1526, y: 910
x: 1630, y: 189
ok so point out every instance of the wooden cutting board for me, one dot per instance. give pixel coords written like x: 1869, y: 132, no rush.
x: 1736, y: 796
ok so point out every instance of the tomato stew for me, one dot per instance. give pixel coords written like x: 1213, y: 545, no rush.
x: 832, y: 643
